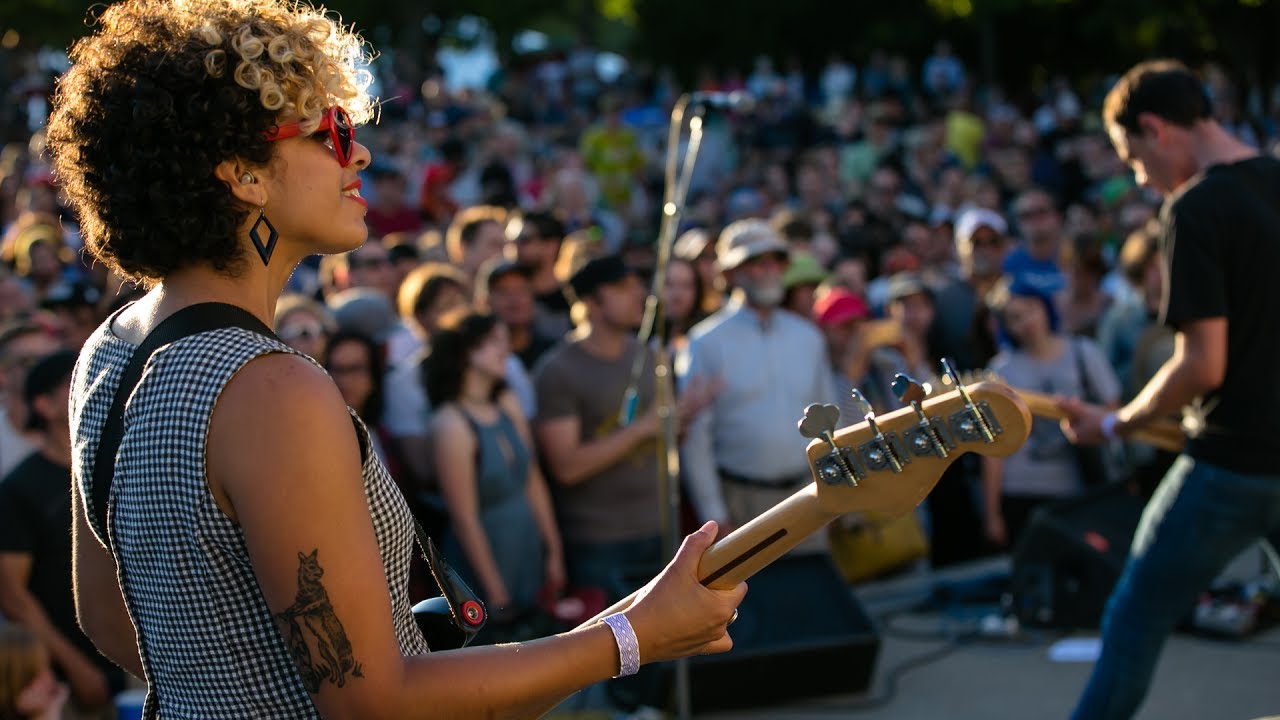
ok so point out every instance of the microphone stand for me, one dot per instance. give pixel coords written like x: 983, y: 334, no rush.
x: 675, y: 192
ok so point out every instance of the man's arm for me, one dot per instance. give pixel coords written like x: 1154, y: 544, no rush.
x: 572, y: 461
x: 1198, y: 366
x: 17, y: 603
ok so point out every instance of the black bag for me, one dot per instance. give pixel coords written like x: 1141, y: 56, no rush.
x: 1094, y: 468
x: 449, y: 621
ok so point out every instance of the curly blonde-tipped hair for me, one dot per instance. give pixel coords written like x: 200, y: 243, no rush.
x: 164, y: 91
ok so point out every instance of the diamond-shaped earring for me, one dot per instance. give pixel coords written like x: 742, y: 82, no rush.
x: 264, y: 250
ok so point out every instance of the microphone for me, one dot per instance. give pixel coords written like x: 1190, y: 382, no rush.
x: 737, y: 101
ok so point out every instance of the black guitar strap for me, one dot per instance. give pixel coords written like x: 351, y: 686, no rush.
x: 191, y: 320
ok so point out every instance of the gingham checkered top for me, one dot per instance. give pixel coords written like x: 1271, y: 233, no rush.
x: 207, y: 639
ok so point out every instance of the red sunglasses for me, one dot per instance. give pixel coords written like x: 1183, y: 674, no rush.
x: 342, y: 134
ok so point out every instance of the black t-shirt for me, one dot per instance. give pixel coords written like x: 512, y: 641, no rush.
x: 35, y: 519
x: 554, y: 302
x: 1222, y: 248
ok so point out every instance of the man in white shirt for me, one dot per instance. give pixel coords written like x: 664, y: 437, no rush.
x: 743, y: 454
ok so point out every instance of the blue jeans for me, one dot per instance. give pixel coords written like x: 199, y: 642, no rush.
x: 1199, y: 519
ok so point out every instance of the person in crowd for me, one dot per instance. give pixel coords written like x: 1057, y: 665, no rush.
x: 742, y: 455
x: 842, y: 318
x: 303, y: 324
x: 1041, y: 358
x: 72, y: 306
x: 368, y: 266
x: 958, y: 288
x: 1222, y: 494
x: 503, y: 531
x: 1037, y: 258
x: 241, y: 162
x: 1085, y: 301
x: 354, y: 361
x: 16, y: 298
x: 426, y: 295
x: 695, y: 245
x: 603, y: 469
x: 800, y: 283
x: 22, y: 343
x: 534, y: 239
x: 604, y: 466
x: 29, y: 690
x: 435, y: 202
x: 680, y: 302
x: 504, y: 288
x: 389, y: 210
x: 474, y: 237
x: 35, y: 548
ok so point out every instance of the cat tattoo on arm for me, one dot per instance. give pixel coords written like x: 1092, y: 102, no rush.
x: 313, y: 633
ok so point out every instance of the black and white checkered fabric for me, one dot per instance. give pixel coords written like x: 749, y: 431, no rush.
x: 206, y: 636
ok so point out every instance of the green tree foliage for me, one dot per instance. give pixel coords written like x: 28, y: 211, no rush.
x: 1015, y: 41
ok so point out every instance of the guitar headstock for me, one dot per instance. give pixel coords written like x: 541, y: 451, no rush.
x: 890, y: 462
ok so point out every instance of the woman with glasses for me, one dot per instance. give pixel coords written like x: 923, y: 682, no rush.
x: 252, y: 556
x: 304, y: 325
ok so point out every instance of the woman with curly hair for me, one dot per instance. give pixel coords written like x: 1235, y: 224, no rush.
x: 252, y: 559
x: 503, y: 533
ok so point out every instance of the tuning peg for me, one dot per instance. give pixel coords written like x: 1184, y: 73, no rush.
x: 860, y: 401
x: 984, y: 427
x: 819, y: 421
x: 908, y: 389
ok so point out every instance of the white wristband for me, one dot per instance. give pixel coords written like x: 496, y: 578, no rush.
x: 628, y: 645
x: 1109, y: 426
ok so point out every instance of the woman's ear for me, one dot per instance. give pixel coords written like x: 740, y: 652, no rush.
x: 242, y: 182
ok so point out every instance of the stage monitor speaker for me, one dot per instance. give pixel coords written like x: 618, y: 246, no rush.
x: 1070, y: 557
x: 800, y: 632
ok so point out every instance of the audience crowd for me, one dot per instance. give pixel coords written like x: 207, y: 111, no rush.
x: 857, y: 223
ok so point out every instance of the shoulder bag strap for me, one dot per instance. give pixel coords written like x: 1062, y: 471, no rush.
x: 191, y: 320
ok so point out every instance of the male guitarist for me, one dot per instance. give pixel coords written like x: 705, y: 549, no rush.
x: 1221, y: 235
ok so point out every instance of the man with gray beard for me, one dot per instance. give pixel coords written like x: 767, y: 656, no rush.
x: 742, y: 455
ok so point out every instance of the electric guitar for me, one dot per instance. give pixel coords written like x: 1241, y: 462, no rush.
x: 886, y: 463
x: 1162, y: 434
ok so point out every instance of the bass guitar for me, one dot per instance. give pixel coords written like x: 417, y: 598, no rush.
x: 886, y: 463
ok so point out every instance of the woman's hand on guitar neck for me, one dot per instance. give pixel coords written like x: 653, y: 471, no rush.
x: 675, y: 615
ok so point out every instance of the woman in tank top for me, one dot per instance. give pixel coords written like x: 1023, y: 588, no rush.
x: 503, y: 533
x: 253, y: 558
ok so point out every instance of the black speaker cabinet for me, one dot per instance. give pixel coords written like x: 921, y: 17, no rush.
x: 1070, y: 557
x: 800, y: 632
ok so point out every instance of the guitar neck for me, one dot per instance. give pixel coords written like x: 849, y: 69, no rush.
x: 1162, y: 434
x: 750, y: 548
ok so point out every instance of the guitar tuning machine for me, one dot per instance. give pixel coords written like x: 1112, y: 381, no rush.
x: 976, y: 419
x: 984, y: 427
x: 819, y: 422
x: 880, y: 449
x: 926, y: 436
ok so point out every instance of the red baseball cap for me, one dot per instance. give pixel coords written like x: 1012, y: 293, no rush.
x: 838, y: 305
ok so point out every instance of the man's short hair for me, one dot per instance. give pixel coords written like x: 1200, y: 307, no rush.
x: 1165, y: 88
x: 466, y: 224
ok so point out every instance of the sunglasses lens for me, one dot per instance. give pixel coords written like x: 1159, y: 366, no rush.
x: 344, y: 135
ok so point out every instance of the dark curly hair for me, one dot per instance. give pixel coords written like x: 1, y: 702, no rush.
x: 461, y: 332
x: 166, y: 90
